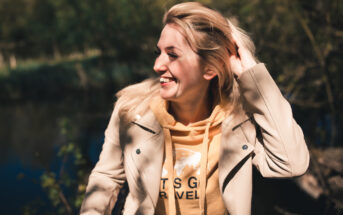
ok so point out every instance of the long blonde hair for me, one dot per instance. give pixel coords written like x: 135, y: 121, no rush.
x: 209, y: 34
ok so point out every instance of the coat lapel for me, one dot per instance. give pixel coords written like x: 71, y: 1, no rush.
x: 147, y: 154
x: 235, y: 148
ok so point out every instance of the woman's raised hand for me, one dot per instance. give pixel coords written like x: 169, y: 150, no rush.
x: 244, y: 59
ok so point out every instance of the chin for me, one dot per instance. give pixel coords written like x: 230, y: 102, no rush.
x: 167, y: 96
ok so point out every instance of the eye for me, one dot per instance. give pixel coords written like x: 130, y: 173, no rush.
x: 157, y: 52
x: 172, y: 55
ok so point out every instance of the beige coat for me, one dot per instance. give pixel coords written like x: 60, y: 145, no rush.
x: 267, y: 137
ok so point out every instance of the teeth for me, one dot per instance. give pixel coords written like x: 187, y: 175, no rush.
x: 165, y: 80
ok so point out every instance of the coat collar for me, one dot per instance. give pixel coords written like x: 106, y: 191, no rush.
x: 148, y: 122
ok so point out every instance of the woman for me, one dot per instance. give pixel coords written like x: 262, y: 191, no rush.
x: 213, y: 115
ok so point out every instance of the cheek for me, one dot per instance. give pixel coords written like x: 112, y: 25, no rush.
x: 189, y: 69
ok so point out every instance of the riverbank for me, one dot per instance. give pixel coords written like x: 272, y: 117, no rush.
x: 51, y: 81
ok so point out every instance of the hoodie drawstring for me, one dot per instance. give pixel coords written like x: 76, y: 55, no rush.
x: 203, y: 169
x: 170, y: 166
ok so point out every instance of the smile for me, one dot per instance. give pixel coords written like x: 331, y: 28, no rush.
x: 166, y: 80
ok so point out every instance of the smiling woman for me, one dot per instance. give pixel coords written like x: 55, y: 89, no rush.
x: 183, y: 79
x: 212, y: 115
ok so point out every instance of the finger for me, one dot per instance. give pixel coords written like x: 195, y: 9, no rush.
x: 235, y: 65
x: 243, y: 53
x: 238, y: 44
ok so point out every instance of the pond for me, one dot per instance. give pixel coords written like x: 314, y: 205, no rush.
x: 31, y: 134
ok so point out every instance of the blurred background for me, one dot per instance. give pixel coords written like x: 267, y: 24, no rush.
x: 61, y: 62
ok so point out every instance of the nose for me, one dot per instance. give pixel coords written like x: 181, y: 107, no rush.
x: 160, y: 65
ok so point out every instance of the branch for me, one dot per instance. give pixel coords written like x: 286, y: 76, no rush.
x: 65, y: 202
x: 325, y: 76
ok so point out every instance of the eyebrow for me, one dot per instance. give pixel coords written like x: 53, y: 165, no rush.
x: 169, y: 48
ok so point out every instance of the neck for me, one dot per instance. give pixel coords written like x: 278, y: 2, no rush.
x: 192, y: 110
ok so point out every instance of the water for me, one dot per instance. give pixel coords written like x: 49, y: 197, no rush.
x: 30, y: 137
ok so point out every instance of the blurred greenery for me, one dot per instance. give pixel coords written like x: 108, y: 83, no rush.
x: 47, y: 80
x: 57, y: 185
x: 70, y: 45
x: 49, y: 49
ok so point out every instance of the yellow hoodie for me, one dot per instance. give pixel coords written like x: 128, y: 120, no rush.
x: 191, y: 162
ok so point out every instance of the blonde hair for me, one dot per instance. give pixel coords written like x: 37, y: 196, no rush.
x: 135, y: 99
x: 209, y: 34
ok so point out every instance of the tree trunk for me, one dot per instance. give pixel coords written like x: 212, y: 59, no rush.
x: 2, y: 62
x: 13, y: 62
x: 57, y: 53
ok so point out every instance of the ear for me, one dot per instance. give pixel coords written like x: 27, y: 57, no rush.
x: 209, y: 74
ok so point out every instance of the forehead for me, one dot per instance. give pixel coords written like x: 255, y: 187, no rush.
x: 171, y: 36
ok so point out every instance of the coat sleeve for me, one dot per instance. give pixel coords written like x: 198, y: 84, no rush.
x: 108, y: 175
x: 282, y: 151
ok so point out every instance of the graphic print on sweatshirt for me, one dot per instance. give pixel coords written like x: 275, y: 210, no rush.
x: 186, y: 174
x: 186, y: 183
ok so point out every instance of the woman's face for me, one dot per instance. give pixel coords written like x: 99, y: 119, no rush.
x: 181, y: 76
